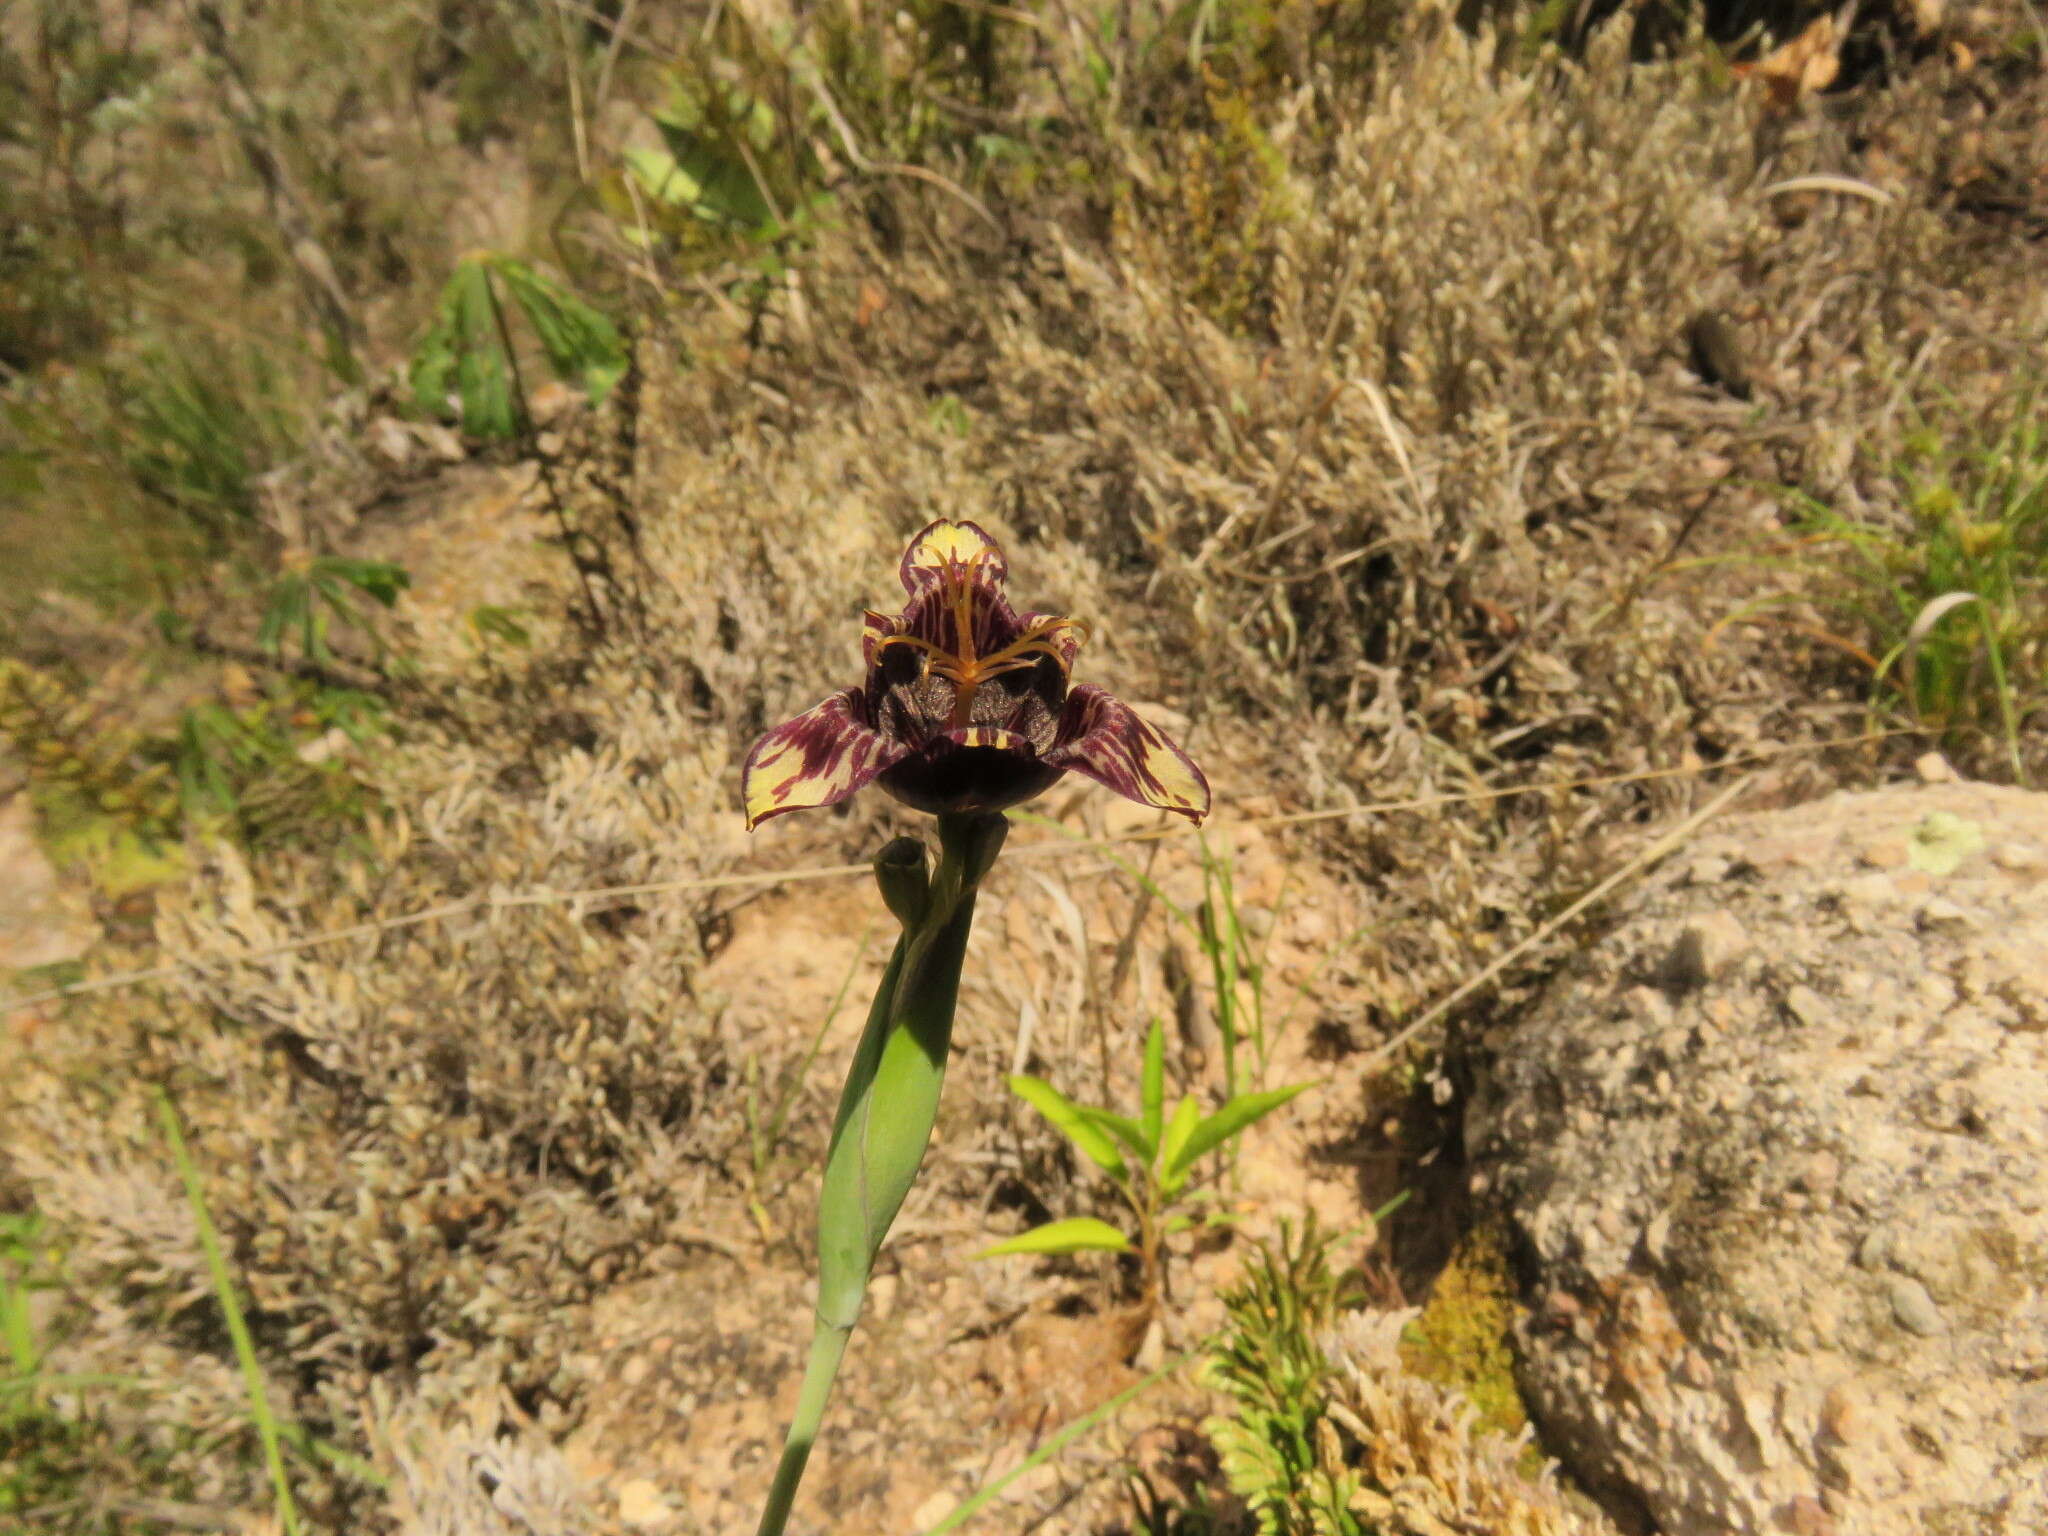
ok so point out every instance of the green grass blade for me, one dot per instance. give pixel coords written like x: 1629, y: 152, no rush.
x: 231, y: 1309
x: 1056, y: 1443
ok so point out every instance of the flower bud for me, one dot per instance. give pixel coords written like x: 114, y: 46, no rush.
x: 902, y: 870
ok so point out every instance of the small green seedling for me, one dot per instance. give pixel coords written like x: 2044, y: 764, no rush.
x: 1151, y: 1160
x: 311, y: 595
x: 467, y: 365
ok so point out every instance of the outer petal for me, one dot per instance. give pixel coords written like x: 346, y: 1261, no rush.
x: 1102, y: 737
x: 947, y: 545
x: 819, y: 758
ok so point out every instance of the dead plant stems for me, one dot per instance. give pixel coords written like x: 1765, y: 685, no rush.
x: 497, y: 901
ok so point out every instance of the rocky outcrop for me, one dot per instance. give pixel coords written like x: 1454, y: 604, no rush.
x: 1774, y: 1153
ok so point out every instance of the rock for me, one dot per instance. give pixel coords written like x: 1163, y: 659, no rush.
x: 390, y: 440
x: 1787, y: 1229
x: 41, y: 923
x: 1914, y: 1308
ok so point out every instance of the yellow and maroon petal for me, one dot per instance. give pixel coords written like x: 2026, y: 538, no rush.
x: 947, y: 546
x: 819, y: 758
x: 1102, y: 737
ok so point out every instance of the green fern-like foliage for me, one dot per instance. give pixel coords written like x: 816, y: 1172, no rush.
x: 465, y: 357
x: 1280, y: 1454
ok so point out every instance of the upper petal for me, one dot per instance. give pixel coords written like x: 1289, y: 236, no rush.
x: 1102, y: 737
x: 819, y: 758
x: 944, y: 546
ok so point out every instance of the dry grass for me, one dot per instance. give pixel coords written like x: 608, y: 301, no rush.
x: 1378, y: 500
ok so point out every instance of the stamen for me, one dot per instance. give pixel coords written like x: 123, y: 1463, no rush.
x: 965, y: 669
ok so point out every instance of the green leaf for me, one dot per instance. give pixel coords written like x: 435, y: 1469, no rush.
x: 658, y: 175
x: 581, y: 343
x: 379, y: 580
x: 891, y: 1097
x: 483, y: 374
x: 1076, y: 1234
x: 289, y: 601
x: 1232, y: 1118
x: 491, y: 622
x: 1154, y: 1100
x: 1186, y: 1116
x: 726, y: 191
x: 1124, y: 1129
x: 1068, y: 1119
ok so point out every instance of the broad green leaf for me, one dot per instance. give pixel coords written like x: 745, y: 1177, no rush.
x: 1232, y: 1118
x: 1076, y: 1234
x: 1154, y: 1098
x: 658, y: 175
x: 1186, y: 1116
x: 1070, y: 1122
x: 726, y: 189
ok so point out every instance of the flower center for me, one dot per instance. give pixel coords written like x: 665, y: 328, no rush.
x: 964, y: 668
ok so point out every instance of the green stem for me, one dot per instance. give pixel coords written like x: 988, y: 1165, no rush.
x: 887, y: 1109
x: 828, y: 1344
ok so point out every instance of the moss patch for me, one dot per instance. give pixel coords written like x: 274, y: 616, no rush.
x: 119, y: 859
x: 1461, y: 1339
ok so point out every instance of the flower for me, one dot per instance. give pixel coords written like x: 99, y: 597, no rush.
x: 967, y: 707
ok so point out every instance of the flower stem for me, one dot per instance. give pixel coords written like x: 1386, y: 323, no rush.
x: 827, y: 1345
x: 888, y: 1107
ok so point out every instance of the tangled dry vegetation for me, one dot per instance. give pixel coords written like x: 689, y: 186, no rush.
x: 1362, y: 432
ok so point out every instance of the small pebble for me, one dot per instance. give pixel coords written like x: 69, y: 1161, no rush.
x: 1940, y: 915
x: 1807, y: 1006
x: 1914, y: 1308
x: 1843, y: 1415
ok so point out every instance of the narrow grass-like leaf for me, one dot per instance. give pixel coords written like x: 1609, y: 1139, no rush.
x: 231, y: 1310
x: 1075, y: 1234
x: 1067, y: 1118
x: 1054, y: 1444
